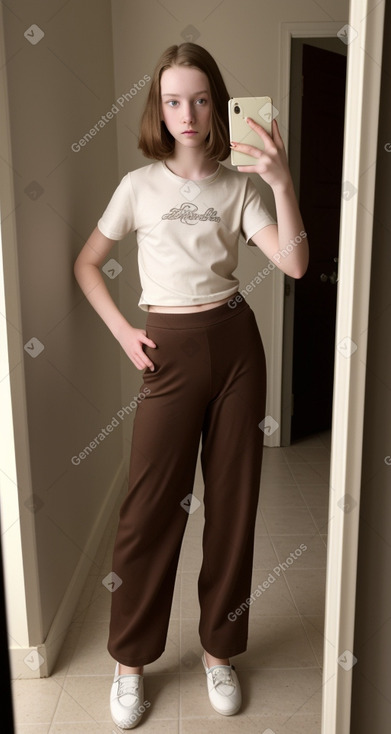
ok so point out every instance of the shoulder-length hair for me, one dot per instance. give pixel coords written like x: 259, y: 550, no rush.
x: 155, y: 140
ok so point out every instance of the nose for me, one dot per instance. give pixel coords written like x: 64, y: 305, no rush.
x: 188, y: 112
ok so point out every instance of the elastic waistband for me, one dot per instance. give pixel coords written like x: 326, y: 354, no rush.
x: 227, y: 310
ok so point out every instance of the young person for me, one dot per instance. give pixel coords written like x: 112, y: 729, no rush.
x: 203, y: 363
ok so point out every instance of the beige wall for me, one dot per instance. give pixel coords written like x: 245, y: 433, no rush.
x: 371, y: 701
x: 57, y: 89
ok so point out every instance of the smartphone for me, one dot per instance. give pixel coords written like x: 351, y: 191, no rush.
x: 260, y: 109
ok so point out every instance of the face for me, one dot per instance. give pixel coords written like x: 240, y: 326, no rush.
x: 186, y: 105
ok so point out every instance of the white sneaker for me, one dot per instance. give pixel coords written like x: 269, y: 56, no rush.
x: 127, y: 703
x: 223, y: 688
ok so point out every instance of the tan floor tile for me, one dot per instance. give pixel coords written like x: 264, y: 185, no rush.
x: 156, y: 726
x: 195, y: 523
x: 194, y: 699
x: 191, y: 553
x: 310, y: 473
x: 276, y: 642
x: 275, y: 598
x: 161, y: 726
x: 198, y: 478
x: 315, y: 495
x: 299, y: 453
x: 190, y: 646
x: 297, y: 520
x: 189, y: 595
x: 260, y: 525
x: 67, y: 650
x: 313, y: 555
x: 35, y: 700
x: 308, y: 590
x: 168, y: 663
x: 264, y: 553
x: 91, y: 653
x: 280, y: 495
x: 266, y: 691
x: 84, y: 699
x: 295, y: 724
x: 85, y: 727
x: 85, y: 597
x: 273, y: 458
x: 176, y: 599
x: 99, y: 603
x: 199, y: 488
x: 321, y: 518
x: 314, y: 627
x: 163, y: 693
x: 32, y: 729
x: 276, y: 474
x: 281, y: 691
x: 216, y: 724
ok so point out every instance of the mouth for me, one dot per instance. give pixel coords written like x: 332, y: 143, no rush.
x: 189, y: 132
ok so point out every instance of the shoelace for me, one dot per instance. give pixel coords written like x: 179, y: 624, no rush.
x: 127, y: 685
x: 222, y: 676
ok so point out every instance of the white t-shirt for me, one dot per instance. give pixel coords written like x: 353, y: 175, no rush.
x: 187, y: 231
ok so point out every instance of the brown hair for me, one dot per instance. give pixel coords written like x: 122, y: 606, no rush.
x: 155, y: 141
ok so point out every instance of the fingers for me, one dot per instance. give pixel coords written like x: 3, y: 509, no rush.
x: 260, y: 130
x: 141, y: 360
x: 248, y: 149
x: 149, y: 364
x: 144, y: 357
x: 145, y: 340
x: 276, y: 138
x: 253, y: 150
x: 247, y: 169
x: 135, y: 351
x: 276, y: 134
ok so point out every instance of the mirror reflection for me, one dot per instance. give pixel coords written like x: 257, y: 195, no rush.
x: 179, y: 387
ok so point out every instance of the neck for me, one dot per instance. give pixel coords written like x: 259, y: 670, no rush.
x: 190, y: 163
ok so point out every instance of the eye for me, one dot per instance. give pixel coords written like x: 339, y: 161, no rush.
x: 202, y: 101
x: 172, y: 102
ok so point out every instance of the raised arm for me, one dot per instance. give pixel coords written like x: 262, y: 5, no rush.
x: 88, y: 275
x: 287, y: 243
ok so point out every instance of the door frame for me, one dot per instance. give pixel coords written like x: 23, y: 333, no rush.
x: 359, y: 169
x: 283, y: 308
x: 290, y: 283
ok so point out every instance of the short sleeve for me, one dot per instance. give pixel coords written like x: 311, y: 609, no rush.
x: 119, y: 216
x: 255, y: 216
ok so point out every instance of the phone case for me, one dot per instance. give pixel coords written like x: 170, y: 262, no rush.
x: 260, y: 109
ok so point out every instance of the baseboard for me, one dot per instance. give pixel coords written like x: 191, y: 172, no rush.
x: 39, y: 661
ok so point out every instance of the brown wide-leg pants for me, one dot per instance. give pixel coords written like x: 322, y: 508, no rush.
x: 209, y: 382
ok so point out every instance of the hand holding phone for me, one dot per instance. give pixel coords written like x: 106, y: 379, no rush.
x: 260, y: 109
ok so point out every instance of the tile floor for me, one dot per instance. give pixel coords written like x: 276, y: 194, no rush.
x: 281, y: 671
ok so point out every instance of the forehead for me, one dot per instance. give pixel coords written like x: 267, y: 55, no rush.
x: 182, y: 80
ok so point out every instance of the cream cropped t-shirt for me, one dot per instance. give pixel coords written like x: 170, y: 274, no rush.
x: 187, y: 231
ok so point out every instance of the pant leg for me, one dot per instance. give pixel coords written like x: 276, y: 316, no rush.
x: 165, y: 442
x: 231, y: 461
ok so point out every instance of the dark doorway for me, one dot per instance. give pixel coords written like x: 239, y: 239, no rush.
x: 320, y: 188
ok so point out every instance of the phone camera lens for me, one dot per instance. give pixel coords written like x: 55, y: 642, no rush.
x: 236, y: 109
